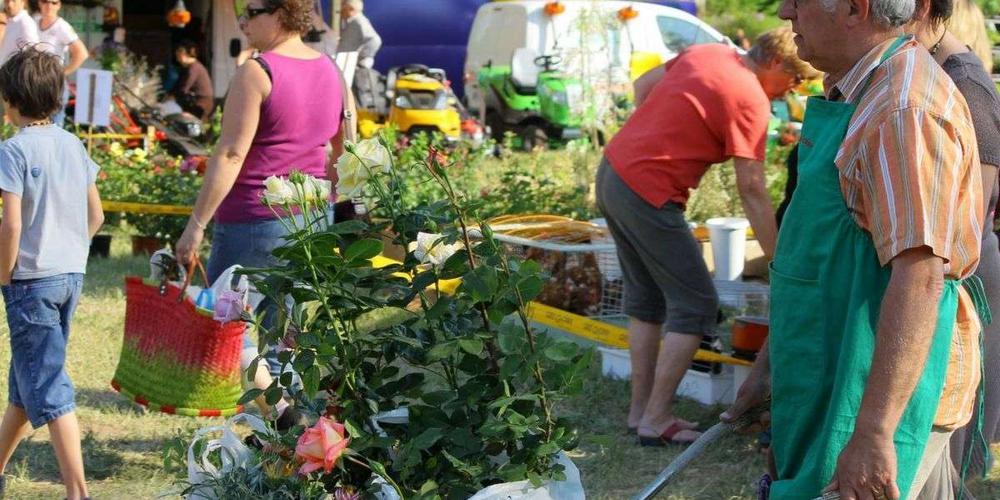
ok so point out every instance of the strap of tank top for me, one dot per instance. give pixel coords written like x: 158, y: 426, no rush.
x: 265, y: 66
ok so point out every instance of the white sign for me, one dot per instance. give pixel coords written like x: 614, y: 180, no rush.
x: 93, y: 97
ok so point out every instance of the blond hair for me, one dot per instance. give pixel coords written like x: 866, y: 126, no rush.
x: 779, y: 43
x: 969, y: 25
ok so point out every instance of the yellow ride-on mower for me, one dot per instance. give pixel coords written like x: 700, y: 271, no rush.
x: 420, y: 100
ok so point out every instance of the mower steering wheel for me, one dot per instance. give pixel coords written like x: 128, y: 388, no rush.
x: 409, y: 69
x: 548, y: 61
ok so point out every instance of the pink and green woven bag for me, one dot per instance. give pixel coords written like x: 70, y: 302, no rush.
x: 175, y: 357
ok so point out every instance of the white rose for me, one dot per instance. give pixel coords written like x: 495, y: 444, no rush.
x: 278, y: 191
x: 431, y: 249
x: 351, y: 187
x: 319, y: 189
x: 375, y: 156
x: 352, y: 176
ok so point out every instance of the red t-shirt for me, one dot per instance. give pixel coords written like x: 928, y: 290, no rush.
x: 707, y: 108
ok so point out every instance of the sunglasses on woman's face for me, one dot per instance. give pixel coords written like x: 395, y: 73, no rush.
x: 49, y: 2
x: 243, y: 12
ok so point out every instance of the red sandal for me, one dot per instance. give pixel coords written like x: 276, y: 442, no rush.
x: 666, y: 437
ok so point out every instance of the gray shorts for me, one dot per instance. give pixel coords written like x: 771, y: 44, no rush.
x: 665, y: 276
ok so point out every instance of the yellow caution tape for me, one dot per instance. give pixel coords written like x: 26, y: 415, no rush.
x: 606, y: 333
x: 145, y: 208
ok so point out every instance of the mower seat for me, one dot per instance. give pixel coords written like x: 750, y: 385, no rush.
x: 523, y: 70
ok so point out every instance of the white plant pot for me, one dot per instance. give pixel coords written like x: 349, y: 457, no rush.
x: 729, y: 244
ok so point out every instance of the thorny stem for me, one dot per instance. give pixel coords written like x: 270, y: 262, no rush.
x: 537, y: 368
x: 523, y: 316
x: 453, y: 200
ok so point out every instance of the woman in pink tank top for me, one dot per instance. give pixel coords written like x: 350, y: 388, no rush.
x: 283, y: 109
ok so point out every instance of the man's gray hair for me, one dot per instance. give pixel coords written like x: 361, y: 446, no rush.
x: 358, y: 5
x: 887, y: 13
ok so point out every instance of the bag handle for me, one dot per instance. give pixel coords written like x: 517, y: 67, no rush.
x: 350, y: 107
x: 195, y: 263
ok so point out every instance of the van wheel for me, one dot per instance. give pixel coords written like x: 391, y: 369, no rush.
x: 533, y: 137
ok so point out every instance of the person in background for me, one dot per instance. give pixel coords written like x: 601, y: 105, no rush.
x: 20, y: 29
x: 935, y: 31
x: 59, y: 37
x: 358, y: 35
x: 741, y: 40
x: 51, y: 210
x: 705, y: 106
x: 283, y: 110
x: 194, y: 93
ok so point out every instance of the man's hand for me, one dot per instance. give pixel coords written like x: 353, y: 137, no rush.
x: 753, y: 394
x: 866, y: 469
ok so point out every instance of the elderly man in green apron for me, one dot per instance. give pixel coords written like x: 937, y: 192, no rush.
x: 874, y: 348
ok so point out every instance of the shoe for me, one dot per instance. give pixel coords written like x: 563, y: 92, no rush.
x: 666, y: 437
x: 290, y: 418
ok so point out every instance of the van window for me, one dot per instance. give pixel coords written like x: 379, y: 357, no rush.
x: 679, y: 34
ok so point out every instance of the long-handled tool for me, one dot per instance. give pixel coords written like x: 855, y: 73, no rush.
x: 695, y: 450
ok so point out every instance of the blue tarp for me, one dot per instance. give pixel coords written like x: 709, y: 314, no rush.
x: 434, y: 32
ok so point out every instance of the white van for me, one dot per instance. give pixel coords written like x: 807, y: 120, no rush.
x: 603, y: 42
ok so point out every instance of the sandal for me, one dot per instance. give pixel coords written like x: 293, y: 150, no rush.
x: 666, y: 437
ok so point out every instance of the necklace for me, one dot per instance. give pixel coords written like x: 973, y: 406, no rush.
x: 39, y: 123
x: 936, y: 46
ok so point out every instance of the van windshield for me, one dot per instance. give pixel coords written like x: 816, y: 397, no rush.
x: 590, y: 43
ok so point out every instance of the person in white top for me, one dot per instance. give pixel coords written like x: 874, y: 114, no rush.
x: 57, y: 36
x: 21, y: 29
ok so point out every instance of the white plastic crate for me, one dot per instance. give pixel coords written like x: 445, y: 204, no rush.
x: 703, y: 387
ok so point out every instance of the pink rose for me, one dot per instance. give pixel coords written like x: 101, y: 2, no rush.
x: 321, y: 445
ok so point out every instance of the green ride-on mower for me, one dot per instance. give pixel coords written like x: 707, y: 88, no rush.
x: 532, y: 99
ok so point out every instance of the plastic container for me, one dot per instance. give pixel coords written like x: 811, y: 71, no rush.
x: 607, y: 262
x: 729, y: 245
x: 615, y: 363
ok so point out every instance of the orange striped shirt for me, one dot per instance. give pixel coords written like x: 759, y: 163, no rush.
x: 909, y: 172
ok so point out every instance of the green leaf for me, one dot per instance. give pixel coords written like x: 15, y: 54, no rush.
x: 363, y: 250
x: 441, y: 351
x: 530, y: 287
x: 424, y: 280
x: 561, y: 351
x: 250, y: 396
x: 429, y: 487
x: 471, y: 346
x: 510, y: 338
x: 303, y: 360
x: 310, y: 380
x: 272, y: 395
x: 381, y: 319
x: 426, y: 439
x: 437, y: 398
x: 481, y: 283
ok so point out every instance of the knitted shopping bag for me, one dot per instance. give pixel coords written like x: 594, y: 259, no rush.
x: 175, y: 358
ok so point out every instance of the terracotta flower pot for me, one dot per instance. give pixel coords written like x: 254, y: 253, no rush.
x: 146, y: 245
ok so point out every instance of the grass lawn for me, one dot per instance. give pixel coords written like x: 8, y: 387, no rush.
x: 123, y: 443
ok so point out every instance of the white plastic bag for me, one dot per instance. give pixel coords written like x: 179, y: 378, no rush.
x: 570, y: 489
x: 231, y: 451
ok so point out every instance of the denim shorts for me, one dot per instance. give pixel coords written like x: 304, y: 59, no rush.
x: 39, y: 312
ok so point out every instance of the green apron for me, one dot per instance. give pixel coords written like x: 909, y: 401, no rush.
x: 827, y: 287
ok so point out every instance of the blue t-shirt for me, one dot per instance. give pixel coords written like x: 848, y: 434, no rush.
x: 50, y: 170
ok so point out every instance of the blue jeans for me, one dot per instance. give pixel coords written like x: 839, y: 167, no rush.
x: 251, y: 244
x: 39, y: 312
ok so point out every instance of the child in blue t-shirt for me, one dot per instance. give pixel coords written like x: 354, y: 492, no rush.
x: 51, y: 209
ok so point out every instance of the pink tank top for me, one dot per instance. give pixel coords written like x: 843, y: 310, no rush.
x: 297, y: 120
